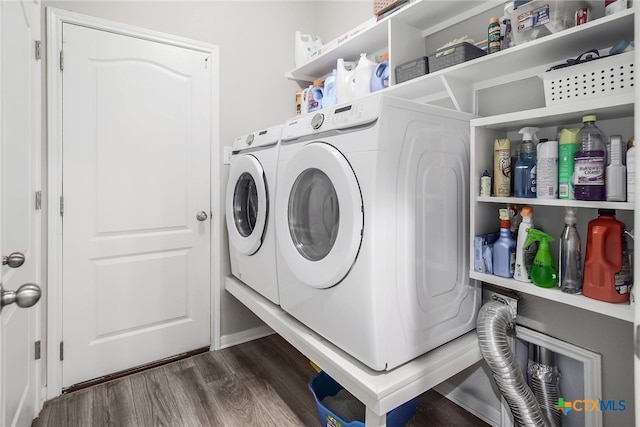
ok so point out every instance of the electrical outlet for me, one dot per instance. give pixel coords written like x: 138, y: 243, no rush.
x: 226, y: 158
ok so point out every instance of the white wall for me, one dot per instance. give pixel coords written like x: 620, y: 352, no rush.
x: 256, y: 41
x: 333, y: 18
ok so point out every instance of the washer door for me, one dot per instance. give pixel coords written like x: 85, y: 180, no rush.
x: 319, y: 215
x: 247, y: 204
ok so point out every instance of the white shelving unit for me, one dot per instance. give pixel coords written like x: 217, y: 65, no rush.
x: 402, y: 34
x: 484, y: 209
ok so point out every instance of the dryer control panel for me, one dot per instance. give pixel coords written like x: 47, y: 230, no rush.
x: 263, y: 138
x: 357, y: 113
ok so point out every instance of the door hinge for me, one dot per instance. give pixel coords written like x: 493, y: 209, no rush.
x: 61, y: 205
x: 38, y: 200
x: 37, y: 350
x: 38, y: 49
x: 61, y: 60
x: 61, y: 351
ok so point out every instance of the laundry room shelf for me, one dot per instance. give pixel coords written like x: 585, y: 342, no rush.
x: 379, y: 391
x: 622, y: 311
x: 627, y: 206
x: 403, y: 34
x: 371, y: 37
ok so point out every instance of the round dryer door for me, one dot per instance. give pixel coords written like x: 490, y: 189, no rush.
x: 247, y: 204
x: 320, y: 208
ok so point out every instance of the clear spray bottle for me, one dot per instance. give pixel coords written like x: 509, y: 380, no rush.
x: 570, y: 255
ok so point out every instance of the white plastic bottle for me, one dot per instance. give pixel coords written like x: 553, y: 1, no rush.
x: 362, y: 76
x: 547, y: 170
x: 345, y: 73
x: 631, y: 172
x: 305, y: 46
x: 616, y: 173
x: 521, y: 271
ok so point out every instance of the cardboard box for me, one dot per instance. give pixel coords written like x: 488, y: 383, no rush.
x: 483, y: 252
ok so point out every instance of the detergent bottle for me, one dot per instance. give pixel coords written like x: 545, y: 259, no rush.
x: 315, y: 96
x: 380, y: 77
x: 543, y: 273
x: 504, y: 249
x: 345, y: 72
x: 304, y: 100
x: 362, y: 76
x: 607, y: 275
x: 305, y: 46
x: 525, y: 170
x: 329, y: 97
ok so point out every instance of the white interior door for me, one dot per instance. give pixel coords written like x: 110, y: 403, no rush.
x: 19, y: 230
x: 137, y: 129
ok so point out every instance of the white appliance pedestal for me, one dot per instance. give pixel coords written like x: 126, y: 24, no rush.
x: 380, y: 392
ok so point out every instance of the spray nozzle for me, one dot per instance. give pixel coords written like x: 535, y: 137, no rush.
x: 543, y: 272
x: 529, y: 133
x: 537, y: 236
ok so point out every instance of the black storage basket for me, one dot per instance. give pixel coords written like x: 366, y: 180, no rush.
x: 453, y: 55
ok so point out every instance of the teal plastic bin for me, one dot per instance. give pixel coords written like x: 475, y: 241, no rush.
x: 322, y: 385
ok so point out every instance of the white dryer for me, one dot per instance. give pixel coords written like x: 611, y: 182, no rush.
x: 250, y: 210
x: 372, y: 224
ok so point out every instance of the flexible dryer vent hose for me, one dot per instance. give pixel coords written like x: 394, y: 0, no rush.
x: 493, y: 320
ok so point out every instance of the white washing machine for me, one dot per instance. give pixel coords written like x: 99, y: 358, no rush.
x: 250, y: 210
x: 372, y: 225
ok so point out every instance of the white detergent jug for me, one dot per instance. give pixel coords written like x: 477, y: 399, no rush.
x: 305, y: 46
x: 345, y: 73
x: 362, y: 76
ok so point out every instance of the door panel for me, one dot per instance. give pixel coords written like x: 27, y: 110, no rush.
x: 19, y: 174
x: 136, y: 170
x: 319, y: 202
x: 246, y: 204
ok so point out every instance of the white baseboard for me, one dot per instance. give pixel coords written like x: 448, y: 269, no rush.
x: 244, y: 336
x: 470, y: 403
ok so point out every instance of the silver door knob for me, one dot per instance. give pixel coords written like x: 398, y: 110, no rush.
x: 26, y: 296
x: 202, y: 216
x: 14, y: 260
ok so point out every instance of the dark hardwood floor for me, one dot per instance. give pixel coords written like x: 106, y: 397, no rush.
x: 260, y: 383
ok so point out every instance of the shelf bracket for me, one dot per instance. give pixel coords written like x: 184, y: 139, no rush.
x: 461, y: 93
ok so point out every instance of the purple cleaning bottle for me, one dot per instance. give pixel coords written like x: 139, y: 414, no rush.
x: 590, y: 162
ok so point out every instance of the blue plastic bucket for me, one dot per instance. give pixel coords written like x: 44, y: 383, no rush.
x: 322, y: 385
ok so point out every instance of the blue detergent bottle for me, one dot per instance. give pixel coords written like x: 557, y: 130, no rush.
x: 504, y: 249
x: 316, y: 95
x: 329, y: 97
x: 525, y: 170
x: 380, y: 77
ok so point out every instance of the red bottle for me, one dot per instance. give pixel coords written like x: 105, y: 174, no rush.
x: 605, y: 278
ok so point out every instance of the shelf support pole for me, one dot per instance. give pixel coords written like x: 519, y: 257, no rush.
x: 461, y: 93
x: 371, y: 419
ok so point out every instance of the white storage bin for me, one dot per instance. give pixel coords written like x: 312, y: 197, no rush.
x: 614, y: 74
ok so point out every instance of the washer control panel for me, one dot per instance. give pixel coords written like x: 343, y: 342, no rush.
x: 346, y: 116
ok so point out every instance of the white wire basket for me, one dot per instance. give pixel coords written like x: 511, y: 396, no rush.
x: 607, y: 76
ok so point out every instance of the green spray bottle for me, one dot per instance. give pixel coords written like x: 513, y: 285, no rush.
x: 543, y: 273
